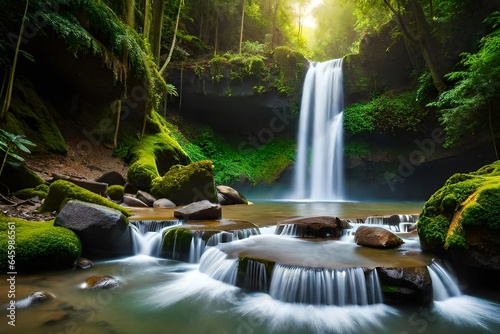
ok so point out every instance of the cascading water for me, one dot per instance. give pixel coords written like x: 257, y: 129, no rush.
x: 319, y: 160
x: 147, y: 235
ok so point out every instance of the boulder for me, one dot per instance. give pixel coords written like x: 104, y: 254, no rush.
x: 102, y: 282
x: 461, y: 222
x: 84, y: 263
x: 133, y: 202
x: 187, y: 184
x: 115, y: 193
x: 39, y: 246
x: 312, y: 227
x: 376, y: 237
x: 112, y: 179
x: 62, y: 191
x: 163, y: 203
x: 202, y: 210
x: 228, y: 196
x: 104, y: 232
x: 406, y: 286
x: 34, y: 298
x: 146, y: 198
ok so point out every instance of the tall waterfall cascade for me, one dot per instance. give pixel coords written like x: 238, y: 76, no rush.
x: 320, y: 147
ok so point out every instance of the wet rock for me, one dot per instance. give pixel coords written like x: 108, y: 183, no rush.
x: 405, y: 286
x: 104, y: 232
x: 102, y: 282
x: 312, y: 227
x: 133, y: 202
x: 112, y: 178
x: 228, y: 196
x: 202, y: 210
x: 130, y: 188
x: 376, y: 237
x: 145, y: 197
x: 35, y: 298
x: 84, y: 263
x: 163, y: 203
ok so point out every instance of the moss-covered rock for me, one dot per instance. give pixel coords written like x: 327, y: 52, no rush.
x: 19, y: 177
x: 40, y: 191
x: 38, y: 245
x: 462, y: 219
x: 115, y: 192
x: 62, y: 191
x: 153, y: 156
x: 187, y: 184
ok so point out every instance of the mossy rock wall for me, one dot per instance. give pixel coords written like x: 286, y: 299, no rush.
x: 187, y: 184
x: 462, y: 219
x: 38, y: 245
x: 19, y: 177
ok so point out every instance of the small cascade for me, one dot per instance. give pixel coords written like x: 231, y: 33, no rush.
x: 395, y: 223
x: 224, y: 236
x: 256, y: 276
x: 443, y: 284
x: 147, y: 234
x: 197, y: 246
x: 340, y: 287
x: 216, y: 265
x: 289, y: 230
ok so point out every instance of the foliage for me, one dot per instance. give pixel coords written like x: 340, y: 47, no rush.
x: 39, y: 245
x: 11, y: 144
x: 27, y: 193
x: 389, y: 113
x: 464, y: 107
x: 288, y: 69
x: 62, y: 191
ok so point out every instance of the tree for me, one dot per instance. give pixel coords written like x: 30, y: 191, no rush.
x: 155, y: 37
x: 10, y: 82
x: 174, y: 38
x: 242, y: 25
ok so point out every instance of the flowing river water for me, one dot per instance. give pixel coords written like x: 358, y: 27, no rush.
x: 166, y: 296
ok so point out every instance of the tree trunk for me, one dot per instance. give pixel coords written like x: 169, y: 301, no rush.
x: 173, y: 39
x: 147, y: 19
x: 275, y: 15
x: 242, y: 23
x: 10, y: 84
x: 155, y: 38
x: 216, y: 44
x: 130, y: 13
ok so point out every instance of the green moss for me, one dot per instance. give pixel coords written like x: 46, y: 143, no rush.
x: 62, y: 191
x: 30, y: 193
x: 176, y: 244
x: 289, y: 69
x: 115, y: 192
x: 186, y: 184
x: 153, y: 156
x: 19, y: 177
x: 465, y: 205
x: 390, y: 289
x: 38, y: 245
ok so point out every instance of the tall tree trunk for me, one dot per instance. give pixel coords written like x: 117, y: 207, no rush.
x: 10, y: 84
x: 275, y: 18
x: 216, y: 44
x: 173, y: 39
x: 130, y: 13
x: 147, y: 19
x: 242, y: 24
x: 155, y: 38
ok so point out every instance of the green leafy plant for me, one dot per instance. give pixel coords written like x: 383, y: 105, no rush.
x: 10, y: 144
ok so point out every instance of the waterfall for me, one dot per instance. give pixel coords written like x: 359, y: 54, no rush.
x: 147, y: 235
x: 320, y: 148
x: 197, y: 246
x: 443, y: 285
x: 215, y: 264
x: 346, y: 286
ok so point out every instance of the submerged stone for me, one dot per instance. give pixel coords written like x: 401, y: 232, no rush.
x: 102, y: 282
x: 34, y: 298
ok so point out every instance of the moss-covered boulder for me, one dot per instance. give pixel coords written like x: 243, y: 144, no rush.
x: 38, y: 246
x: 152, y: 157
x: 461, y: 220
x: 115, y: 192
x: 18, y: 177
x: 62, y: 191
x: 186, y: 184
x: 104, y: 232
x: 41, y: 191
x: 406, y: 286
